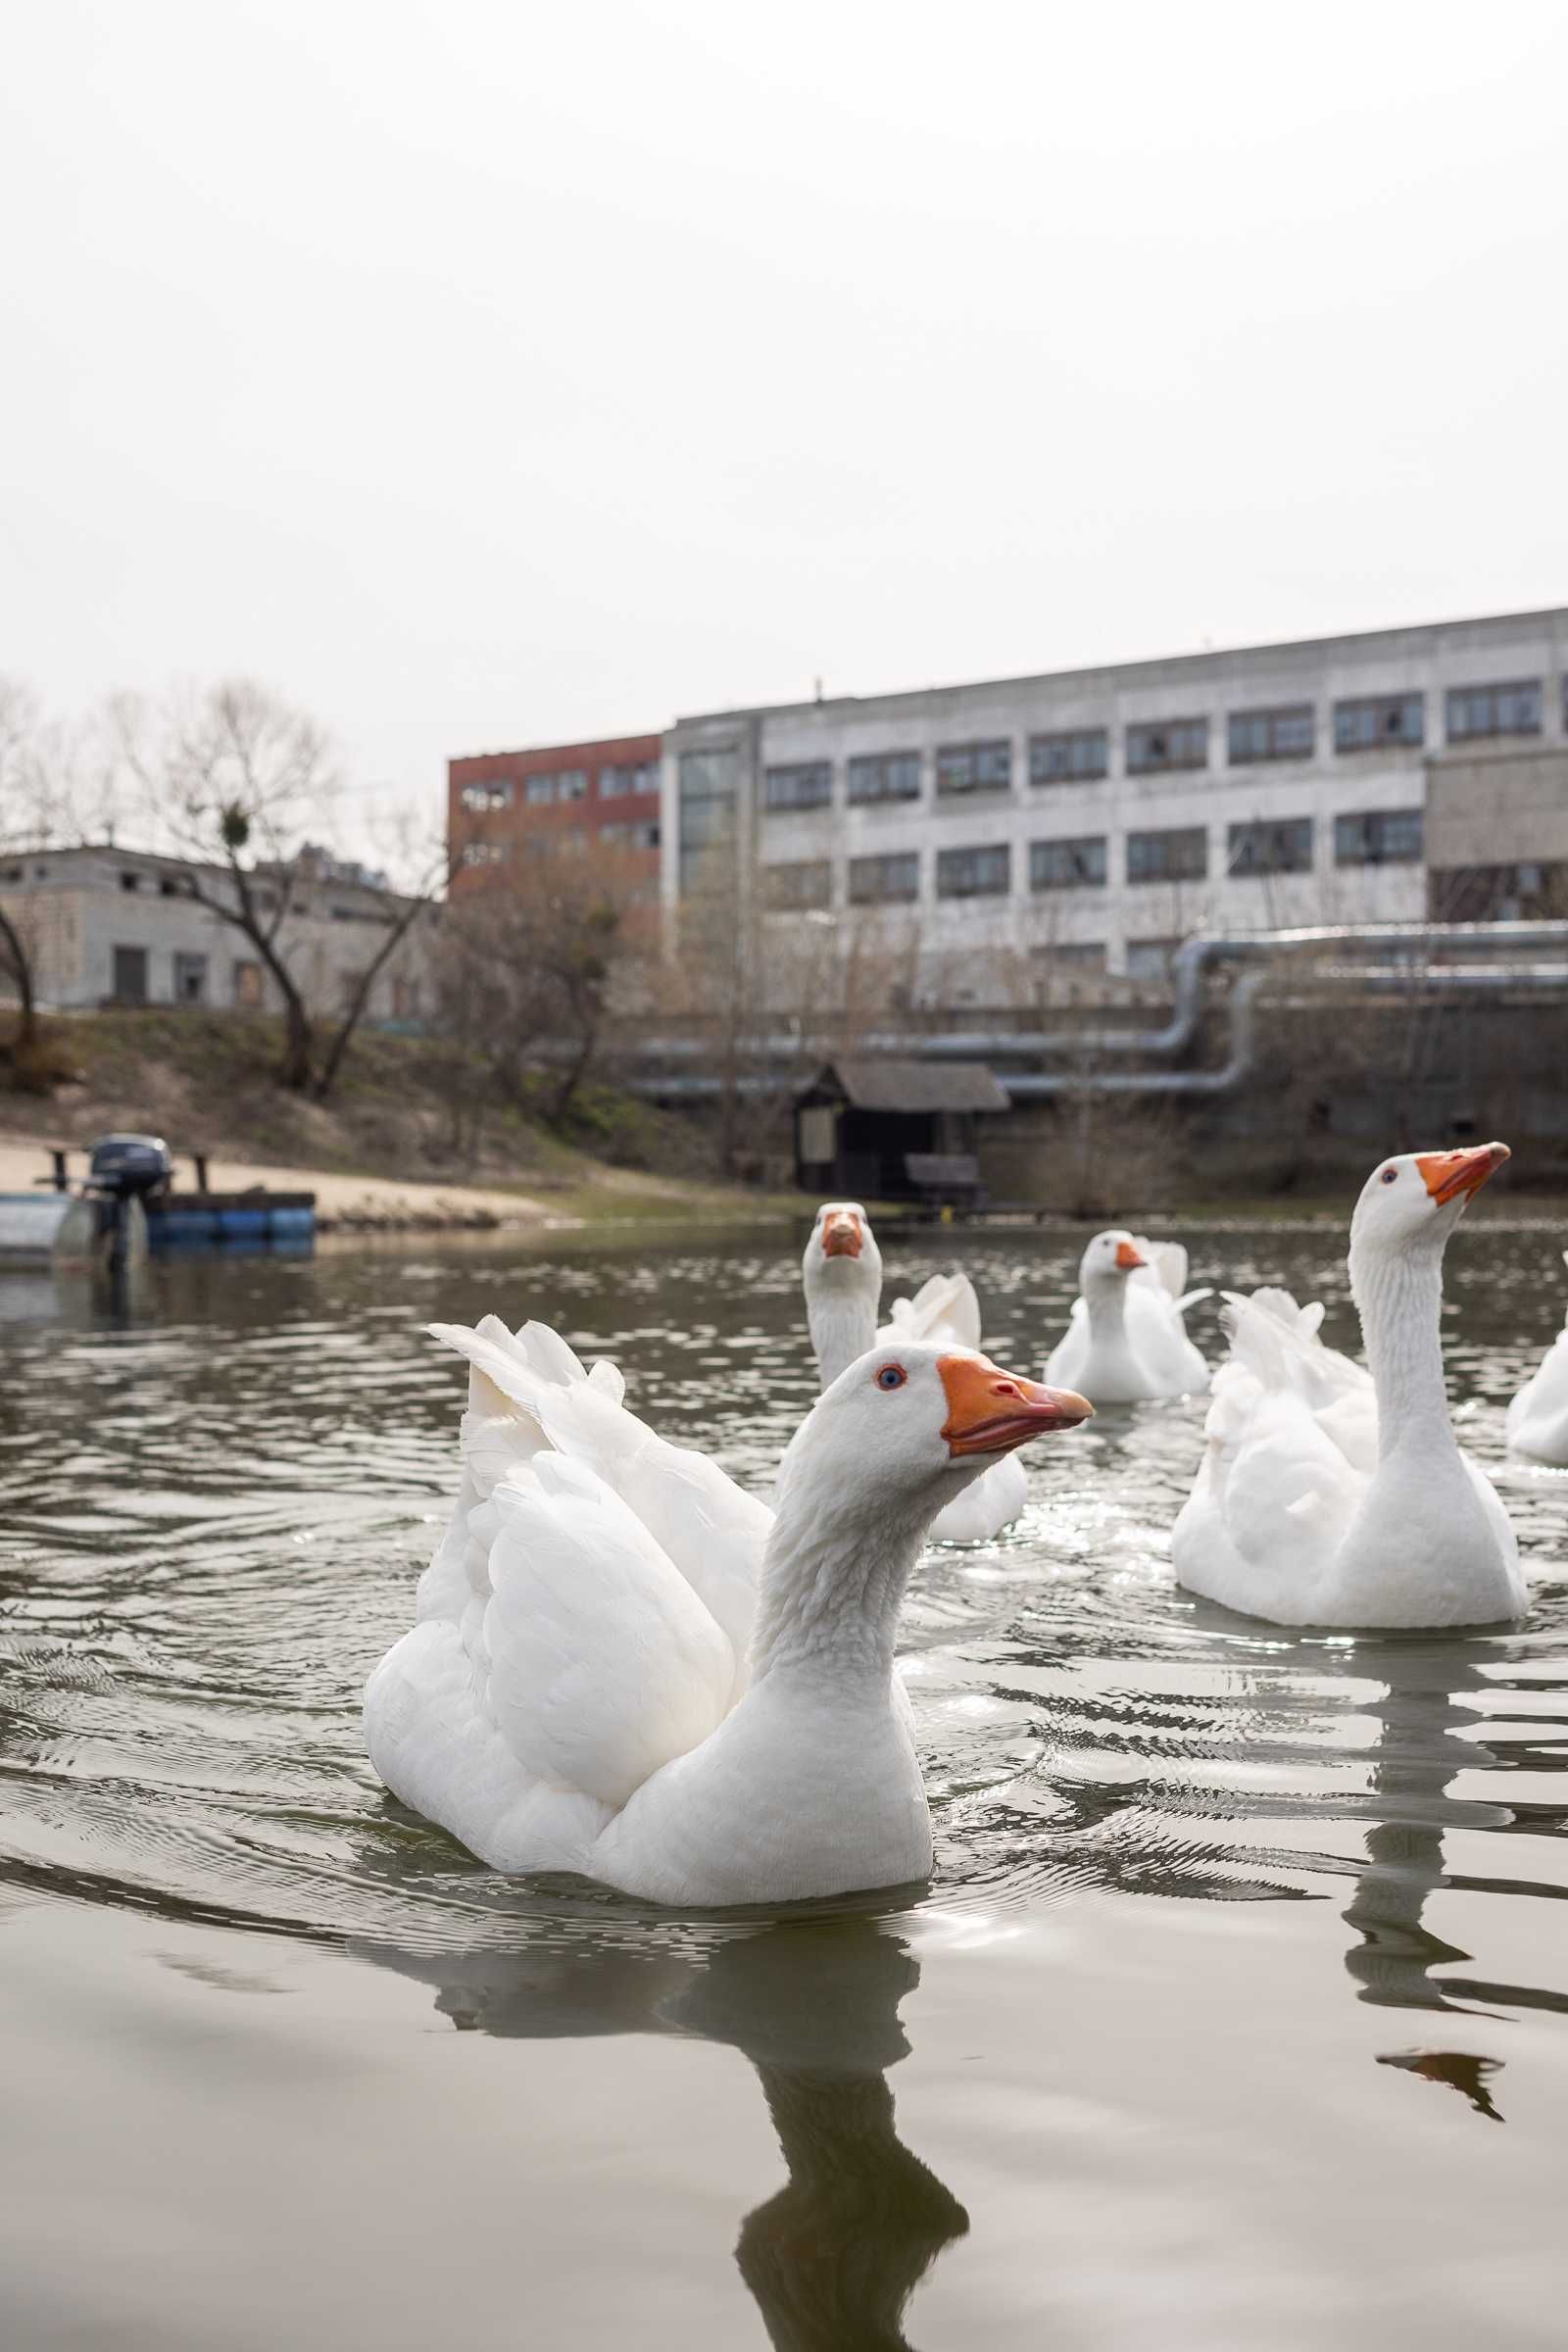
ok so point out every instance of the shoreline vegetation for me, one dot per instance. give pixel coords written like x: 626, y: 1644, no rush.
x: 386, y: 1158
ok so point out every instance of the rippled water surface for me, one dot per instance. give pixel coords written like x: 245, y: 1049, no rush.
x: 1233, y: 2017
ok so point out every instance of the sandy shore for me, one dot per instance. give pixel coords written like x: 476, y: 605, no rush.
x: 363, y: 1202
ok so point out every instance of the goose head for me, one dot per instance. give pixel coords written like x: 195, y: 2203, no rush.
x: 841, y: 1261
x: 1410, y: 1203
x: 906, y: 1425
x: 1108, y: 1261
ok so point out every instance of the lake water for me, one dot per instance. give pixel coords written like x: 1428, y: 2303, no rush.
x: 1234, y: 2016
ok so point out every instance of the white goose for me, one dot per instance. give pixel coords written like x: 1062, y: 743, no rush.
x: 1538, y: 1416
x: 1126, y: 1340
x: 842, y: 1270
x: 1333, y: 1496
x: 622, y: 1666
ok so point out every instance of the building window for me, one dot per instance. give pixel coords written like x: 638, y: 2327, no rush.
x: 1498, y: 894
x: 1069, y: 864
x: 885, y: 881
x: 975, y: 767
x: 405, y: 998
x: 1370, y: 721
x: 190, y: 978
x: 1475, y: 710
x: 1380, y: 837
x: 130, y: 881
x: 497, y: 795
x: 806, y: 785
x: 130, y: 975
x: 808, y: 882
x: 889, y: 776
x: 974, y: 873
x: 1179, y: 856
x: 644, y: 836
x: 1076, y: 757
x: 1168, y: 743
x: 626, y: 777
x: 707, y: 814
x: 1150, y: 958
x: 483, y: 853
x: 247, y: 985
x: 1271, y: 849
x: 568, y: 784
x: 1255, y: 735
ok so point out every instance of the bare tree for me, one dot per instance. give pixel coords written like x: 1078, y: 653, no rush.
x: 234, y: 779
x: 528, y: 967
x: 53, y: 790
x: 238, y: 783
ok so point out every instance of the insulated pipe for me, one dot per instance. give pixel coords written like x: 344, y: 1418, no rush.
x: 1236, y: 1067
x: 1189, y: 966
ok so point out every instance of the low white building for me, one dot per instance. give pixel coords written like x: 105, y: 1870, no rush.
x: 1096, y: 818
x: 107, y: 926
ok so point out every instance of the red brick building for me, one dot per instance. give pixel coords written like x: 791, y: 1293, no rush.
x: 567, y: 797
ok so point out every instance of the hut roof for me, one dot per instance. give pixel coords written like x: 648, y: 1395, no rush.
x: 904, y: 1086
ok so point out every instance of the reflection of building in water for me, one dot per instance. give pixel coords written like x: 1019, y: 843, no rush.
x: 834, y: 2257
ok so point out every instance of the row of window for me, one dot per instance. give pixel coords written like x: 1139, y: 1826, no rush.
x: 1176, y: 854
x: 571, y: 839
x: 617, y: 782
x: 1081, y: 754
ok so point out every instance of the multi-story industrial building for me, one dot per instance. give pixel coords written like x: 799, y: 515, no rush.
x: 503, y: 806
x: 1096, y: 818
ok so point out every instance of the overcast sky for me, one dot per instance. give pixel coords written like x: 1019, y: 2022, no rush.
x: 484, y: 377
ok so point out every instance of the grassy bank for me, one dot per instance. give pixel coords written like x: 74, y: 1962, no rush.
x: 205, y: 1082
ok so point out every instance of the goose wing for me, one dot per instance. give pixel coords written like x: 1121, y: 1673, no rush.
x: 945, y: 1310
x: 1291, y: 1442
x: 701, y: 1520
x: 604, y: 1664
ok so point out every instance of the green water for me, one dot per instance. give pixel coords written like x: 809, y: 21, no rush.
x: 1233, y: 2017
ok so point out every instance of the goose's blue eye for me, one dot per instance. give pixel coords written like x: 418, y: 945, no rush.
x: 891, y: 1376
x: 1389, y: 1175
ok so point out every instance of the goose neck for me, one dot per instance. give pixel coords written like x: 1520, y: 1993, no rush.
x: 843, y: 1326
x: 1106, y: 1303
x: 831, y: 1586
x: 1401, y: 1303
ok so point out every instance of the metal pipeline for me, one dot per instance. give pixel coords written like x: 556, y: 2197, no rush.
x: 1189, y: 968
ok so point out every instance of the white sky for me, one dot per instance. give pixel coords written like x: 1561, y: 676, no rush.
x: 484, y: 376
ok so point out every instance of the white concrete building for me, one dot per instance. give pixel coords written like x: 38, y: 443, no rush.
x: 107, y: 926
x: 1096, y: 818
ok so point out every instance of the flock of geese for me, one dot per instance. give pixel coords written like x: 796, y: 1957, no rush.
x: 623, y: 1665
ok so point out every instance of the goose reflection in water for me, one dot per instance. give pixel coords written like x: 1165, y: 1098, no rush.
x: 833, y: 2258
x: 1421, y: 1749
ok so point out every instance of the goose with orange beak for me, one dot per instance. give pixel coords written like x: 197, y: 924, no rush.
x: 840, y: 1269
x: 1336, y: 1495
x: 621, y: 1666
x: 1126, y: 1340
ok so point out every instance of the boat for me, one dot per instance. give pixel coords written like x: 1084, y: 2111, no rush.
x: 128, y: 1203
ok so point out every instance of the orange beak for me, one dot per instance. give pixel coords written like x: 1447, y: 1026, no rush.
x: 842, y: 1235
x: 1452, y: 1175
x: 1129, y: 1256
x: 990, y: 1412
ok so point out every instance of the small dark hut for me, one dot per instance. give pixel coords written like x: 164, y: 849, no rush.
x: 894, y: 1131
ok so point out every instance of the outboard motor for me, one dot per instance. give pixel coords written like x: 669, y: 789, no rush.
x: 123, y: 1173
x: 126, y: 1167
